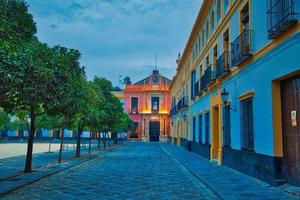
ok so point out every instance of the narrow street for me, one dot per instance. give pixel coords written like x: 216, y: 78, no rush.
x: 148, y: 171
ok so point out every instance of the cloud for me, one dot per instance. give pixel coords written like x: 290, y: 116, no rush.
x: 118, y: 36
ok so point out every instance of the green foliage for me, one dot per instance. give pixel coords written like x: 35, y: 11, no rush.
x: 25, y: 76
x: 16, y: 24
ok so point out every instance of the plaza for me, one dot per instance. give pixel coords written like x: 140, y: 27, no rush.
x: 194, y: 99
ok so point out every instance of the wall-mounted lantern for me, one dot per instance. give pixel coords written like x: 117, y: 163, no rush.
x: 225, y: 96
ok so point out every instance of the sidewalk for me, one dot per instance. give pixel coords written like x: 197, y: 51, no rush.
x: 226, y: 182
x: 15, y: 165
x: 11, y: 180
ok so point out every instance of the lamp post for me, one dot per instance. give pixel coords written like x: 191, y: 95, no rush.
x: 225, y: 96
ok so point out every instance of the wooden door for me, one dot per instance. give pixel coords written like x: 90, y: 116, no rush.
x: 290, y: 103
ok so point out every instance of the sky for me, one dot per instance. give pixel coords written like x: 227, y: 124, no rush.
x: 118, y: 37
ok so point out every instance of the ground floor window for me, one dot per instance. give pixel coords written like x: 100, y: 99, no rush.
x: 226, y: 126
x: 200, y: 128
x: 207, y: 127
x: 247, y: 135
x: 194, y: 129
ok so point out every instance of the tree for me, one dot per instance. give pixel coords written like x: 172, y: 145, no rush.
x: 85, y: 103
x: 22, y: 70
x: 25, y: 84
x: 66, y: 82
x: 16, y: 24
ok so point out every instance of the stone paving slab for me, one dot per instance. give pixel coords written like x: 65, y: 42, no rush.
x: 228, y: 183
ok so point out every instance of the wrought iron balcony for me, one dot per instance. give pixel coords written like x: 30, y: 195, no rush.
x: 281, y: 16
x: 223, y: 66
x: 182, y: 103
x: 173, y: 110
x: 207, y: 78
x: 241, y: 48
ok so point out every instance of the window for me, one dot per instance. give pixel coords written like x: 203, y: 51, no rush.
x: 226, y: 126
x: 193, y: 80
x: 244, y: 18
x: 212, y: 20
x: 201, y: 70
x: 134, y: 105
x: 200, y: 128
x: 218, y: 10
x: 207, y: 30
x: 155, y: 104
x: 203, y: 38
x: 226, y: 41
x: 225, y: 6
x: 215, y: 55
x: 207, y: 124
x: 194, y: 129
x: 207, y: 62
x: 247, y: 135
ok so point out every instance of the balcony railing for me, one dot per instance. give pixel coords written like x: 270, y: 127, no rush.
x: 182, y: 103
x: 173, y: 110
x: 207, y: 78
x: 281, y: 15
x: 223, y: 66
x: 241, y: 48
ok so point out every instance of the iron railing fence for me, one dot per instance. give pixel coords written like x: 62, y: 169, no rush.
x: 241, y: 48
x: 208, y: 77
x: 281, y: 15
x: 223, y: 66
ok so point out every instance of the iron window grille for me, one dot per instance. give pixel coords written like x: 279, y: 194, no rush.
x: 223, y: 66
x: 207, y: 127
x: 241, y: 48
x: 200, y: 128
x: 182, y: 103
x: 226, y: 126
x: 281, y: 15
x: 194, y: 129
x: 207, y: 78
x: 247, y: 131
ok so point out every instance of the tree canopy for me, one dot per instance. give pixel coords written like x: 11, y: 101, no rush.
x: 46, y: 87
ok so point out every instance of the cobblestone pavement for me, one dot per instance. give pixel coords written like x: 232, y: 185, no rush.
x: 11, y: 166
x: 148, y: 171
x: 136, y: 171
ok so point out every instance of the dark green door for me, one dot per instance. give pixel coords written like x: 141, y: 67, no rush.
x: 154, y: 131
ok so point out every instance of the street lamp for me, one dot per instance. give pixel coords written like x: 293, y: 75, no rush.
x: 225, y: 96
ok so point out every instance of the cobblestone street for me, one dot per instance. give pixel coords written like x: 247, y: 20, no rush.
x: 148, y: 171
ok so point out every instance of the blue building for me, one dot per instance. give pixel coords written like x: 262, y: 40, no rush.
x: 236, y: 92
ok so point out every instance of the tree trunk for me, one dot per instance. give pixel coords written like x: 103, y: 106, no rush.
x: 99, y: 140
x: 78, y: 142
x: 61, y: 141
x: 104, y: 141
x: 28, y: 162
x: 50, y: 141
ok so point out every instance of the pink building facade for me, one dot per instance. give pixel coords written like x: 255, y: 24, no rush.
x: 148, y: 103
